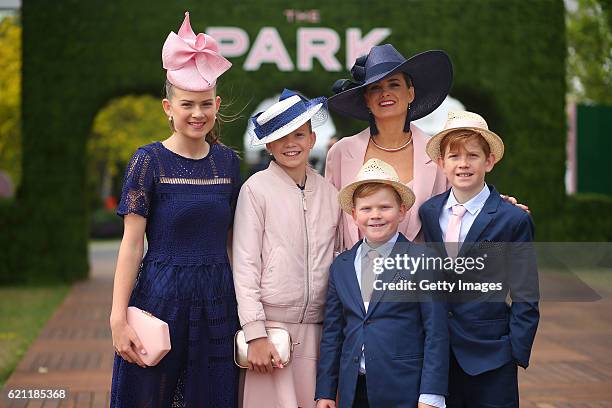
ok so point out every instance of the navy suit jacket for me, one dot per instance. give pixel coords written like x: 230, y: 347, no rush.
x: 406, y: 342
x: 486, y: 333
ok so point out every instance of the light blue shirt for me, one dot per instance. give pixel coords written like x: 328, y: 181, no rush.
x: 472, y: 206
x: 384, y: 250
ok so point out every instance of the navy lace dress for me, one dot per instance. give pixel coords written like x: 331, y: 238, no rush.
x: 185, y: 277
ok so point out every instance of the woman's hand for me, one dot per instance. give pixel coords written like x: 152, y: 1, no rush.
x: 513, y: 201
x: 326, y: 403
x: 127, y: 344
x: 262, y: 356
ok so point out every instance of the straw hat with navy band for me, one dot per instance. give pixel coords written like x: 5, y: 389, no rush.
x: 431, y: 73
x: 290, y: 112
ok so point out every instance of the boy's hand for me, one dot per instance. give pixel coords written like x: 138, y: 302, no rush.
x: 326, y: 403
x: 260, y: 354
x: 513, y: 201
x: 424, y: 405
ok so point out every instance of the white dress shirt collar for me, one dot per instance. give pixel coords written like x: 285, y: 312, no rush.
x: 474, y: 204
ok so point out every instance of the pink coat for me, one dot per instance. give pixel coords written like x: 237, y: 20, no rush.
x: 346, y: 157
x: 284, y: 244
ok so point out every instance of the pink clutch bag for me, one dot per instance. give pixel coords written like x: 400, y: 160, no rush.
x: 152, y: 332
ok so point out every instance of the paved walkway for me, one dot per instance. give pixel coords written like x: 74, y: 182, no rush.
x: 74, y: 351
x: 571, y: 364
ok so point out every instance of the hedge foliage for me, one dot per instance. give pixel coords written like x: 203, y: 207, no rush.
x: 509, y: 59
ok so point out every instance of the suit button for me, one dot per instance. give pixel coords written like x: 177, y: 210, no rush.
x: 356, y: 359
x: 450, y: 314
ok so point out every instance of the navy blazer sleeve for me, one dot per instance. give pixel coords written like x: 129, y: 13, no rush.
x: 434, y: 375
x: 331, y: 343
x: 524, y: 291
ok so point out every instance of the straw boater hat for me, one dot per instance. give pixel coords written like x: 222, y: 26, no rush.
x: 431, y: 73
x: 192, y: 62
x: 375, y: 171
x: 290, y: 112
x: 464, y: 120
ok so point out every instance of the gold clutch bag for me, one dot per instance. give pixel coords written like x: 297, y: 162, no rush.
x: 277, y: 335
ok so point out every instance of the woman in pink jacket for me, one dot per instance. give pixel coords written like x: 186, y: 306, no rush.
x: 286, y: 230
x: 390, y: 91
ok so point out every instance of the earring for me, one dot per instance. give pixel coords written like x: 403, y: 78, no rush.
x: 407, y: 123
x: 373, y: 128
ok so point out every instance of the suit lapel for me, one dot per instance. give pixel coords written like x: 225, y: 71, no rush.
x: 432, y: 211
x: 483, y: 219
x: 388, y: 275
x: 349, y: 277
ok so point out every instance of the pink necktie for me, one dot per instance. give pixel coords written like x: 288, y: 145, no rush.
x: 451, y: 239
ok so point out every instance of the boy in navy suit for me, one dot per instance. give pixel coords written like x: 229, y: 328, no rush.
x: 378, y: 350
x: 488, y: 337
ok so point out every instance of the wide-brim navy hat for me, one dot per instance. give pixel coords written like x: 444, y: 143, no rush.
x: 290, y: 112
x: 431, y: 73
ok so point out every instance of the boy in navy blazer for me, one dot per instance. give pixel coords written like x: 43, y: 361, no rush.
x: 379, y: 350
x: 488, y: 337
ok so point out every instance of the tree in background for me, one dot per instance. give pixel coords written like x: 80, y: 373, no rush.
x: 589, y: 40
x: 122, y: 126
x: 10, y: 97
x: 125, y: 124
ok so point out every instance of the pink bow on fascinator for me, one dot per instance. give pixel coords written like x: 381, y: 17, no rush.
x: 193, y: 63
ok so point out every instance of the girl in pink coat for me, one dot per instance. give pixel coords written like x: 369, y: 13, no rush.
x: 285, y: 234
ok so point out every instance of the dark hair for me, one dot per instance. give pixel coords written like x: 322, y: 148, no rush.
x: 309, y: 126
x: 372, y: 120
x: 408, y: 79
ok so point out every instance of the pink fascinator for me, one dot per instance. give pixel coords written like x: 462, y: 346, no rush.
x: 192, y: 63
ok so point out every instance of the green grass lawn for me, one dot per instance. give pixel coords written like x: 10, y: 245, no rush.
x: 23, y: 313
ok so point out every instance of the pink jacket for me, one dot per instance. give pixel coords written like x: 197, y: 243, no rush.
x: 345, y: 158
x: 284, y: 242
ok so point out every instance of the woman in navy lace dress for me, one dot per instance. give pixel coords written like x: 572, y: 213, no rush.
x: 181, y: 194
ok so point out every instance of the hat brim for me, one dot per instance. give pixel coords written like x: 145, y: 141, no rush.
x: 495, y: 142
x: 432, y: 77
x: 287, y: 128
x: 345, y: 197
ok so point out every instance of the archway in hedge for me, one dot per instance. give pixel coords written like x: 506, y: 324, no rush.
x: 123, y: 125
x: 78, y: 56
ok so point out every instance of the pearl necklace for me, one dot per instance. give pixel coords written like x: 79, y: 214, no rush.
x: 394, y: 149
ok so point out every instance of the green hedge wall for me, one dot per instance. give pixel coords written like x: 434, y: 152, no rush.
x: 509, y: 59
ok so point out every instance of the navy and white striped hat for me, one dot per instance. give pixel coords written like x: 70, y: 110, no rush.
x: 290, y: 112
